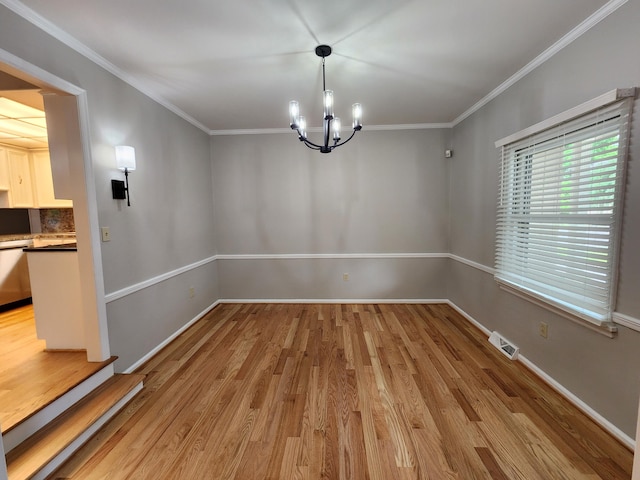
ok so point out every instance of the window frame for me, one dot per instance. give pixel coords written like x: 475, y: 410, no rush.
x: 514, y: 185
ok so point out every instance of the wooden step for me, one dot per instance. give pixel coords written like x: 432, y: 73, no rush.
x: 43, y: 378
x: 50, y: 397
x: 42, y: 453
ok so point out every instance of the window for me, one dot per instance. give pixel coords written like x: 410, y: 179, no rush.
x: 559, y: 209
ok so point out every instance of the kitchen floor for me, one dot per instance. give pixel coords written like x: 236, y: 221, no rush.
x: 30, y: 377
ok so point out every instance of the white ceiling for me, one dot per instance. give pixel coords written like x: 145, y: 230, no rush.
x: 235, y: 65
x: 21, y: 125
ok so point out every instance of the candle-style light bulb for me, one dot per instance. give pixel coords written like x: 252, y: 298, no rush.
x: 302, y: 127
x: 336, y: 126
x: 294, y: 113
x: 328, y: 104
x: 357, y: 116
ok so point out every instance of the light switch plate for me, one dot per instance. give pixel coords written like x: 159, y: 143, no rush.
x: 104, y: 232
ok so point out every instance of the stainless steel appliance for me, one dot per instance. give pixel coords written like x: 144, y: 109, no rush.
x: 14, y: 271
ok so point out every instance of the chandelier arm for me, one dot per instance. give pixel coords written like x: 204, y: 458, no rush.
x: 307, y: 142
x: 342, y: 143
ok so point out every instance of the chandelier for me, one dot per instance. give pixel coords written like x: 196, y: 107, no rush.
x: 331, y: 125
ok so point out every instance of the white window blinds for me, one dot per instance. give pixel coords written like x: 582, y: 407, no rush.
x: 559, y: 210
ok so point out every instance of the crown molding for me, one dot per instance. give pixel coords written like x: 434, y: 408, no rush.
x: 43, y: 24
x: 409, y: 126
x: 595, y: 18
x: 59, y: 34
x: 591, y: 21
x: 366, y: 128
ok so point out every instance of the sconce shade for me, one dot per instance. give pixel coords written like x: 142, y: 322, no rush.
x: 126, y: 157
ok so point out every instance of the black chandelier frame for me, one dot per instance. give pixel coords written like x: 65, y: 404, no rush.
x: 324, y: 51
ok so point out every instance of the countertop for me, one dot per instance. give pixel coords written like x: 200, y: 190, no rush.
x: 31, y: 236
x: 65, y: 247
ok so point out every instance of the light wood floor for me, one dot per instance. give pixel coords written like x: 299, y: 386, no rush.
x: 31, y: 378
x: 344, y: 391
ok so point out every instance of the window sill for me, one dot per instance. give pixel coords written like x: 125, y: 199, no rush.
x: 607, y: 329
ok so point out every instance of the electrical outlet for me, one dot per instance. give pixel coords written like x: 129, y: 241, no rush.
x: 543, y: 329
x: 192, y: 292
x: 104, y: 232
x: 345, y: 277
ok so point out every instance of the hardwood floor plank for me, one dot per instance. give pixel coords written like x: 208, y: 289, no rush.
x: 490, y: 463
x: 254, y: 460
x: 300, y: 391
x: 354, y: 448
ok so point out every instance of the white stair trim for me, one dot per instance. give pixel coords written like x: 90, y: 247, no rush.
x: 59, y: 459
x: 40, y: 419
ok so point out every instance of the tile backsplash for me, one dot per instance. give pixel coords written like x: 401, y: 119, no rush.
x: 57, y: 220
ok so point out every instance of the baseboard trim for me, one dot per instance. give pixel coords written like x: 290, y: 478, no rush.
x: 472, y: 320
x: 625, y: 439
x: 339, y: 301
x: 169, y: 339
x: 331, y: 256
x: 622, y: 437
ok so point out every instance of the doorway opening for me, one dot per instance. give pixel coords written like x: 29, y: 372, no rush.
x: 66, y: 112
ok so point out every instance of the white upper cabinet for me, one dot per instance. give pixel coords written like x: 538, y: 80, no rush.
x: 26, y: 180
x: 20, y: 183
x: 4, y: 170
x: 43, y: 182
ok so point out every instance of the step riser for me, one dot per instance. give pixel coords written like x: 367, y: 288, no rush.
x: 55, y: 463
x: 20, y: 433
x: 45, y: 451
x: 3, y: 464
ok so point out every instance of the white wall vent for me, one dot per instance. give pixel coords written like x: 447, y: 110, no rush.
x: 504, y: 345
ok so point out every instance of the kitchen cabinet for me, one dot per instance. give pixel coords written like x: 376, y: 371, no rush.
x: 43, y: 182
x: 57, y: 303
x: 20, y: 183
x: 14, y: 272
x: 4, y: 170
x: 26, y: 180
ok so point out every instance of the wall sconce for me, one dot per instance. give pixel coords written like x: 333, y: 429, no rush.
x: 126, y: 161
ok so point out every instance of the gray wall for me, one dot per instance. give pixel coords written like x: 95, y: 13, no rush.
x: 382, y: 193
x: 389, y: 193
x: 386, y: 193
x: 169, y: 225
x: 599, y: 370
